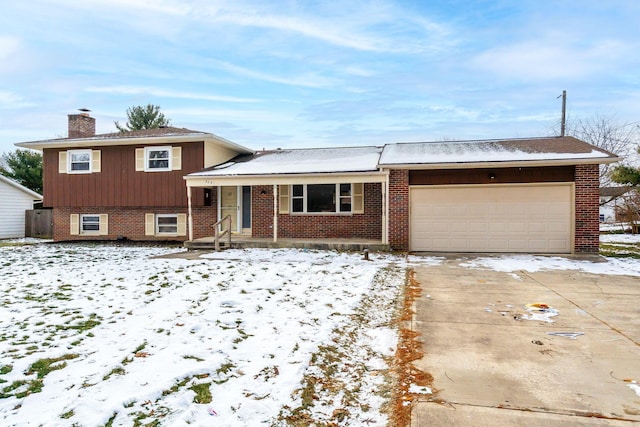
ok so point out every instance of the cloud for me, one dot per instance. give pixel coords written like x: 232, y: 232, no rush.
x: 10, y: 100
x: 8, y: 46
x: 373, y: 27
x: 139, y: 90
x: 312, y: 80
x: 549, y: 59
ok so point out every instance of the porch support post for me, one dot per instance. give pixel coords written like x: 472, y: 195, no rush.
x: 275, y: 213
x: 190, y: 220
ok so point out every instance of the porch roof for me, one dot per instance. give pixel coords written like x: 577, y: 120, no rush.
x: 298, y: 161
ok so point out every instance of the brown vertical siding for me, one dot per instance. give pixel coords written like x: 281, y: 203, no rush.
x: 483, y: 176
x: 119, y: 184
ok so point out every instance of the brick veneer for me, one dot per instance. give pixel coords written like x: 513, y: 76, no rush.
x: 586, y: 209
x: 399, y: 209
x: 130, y: 222
x: 365, y: 226
x: 587, y: 231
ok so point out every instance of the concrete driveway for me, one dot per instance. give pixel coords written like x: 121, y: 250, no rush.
x: 494, y: 367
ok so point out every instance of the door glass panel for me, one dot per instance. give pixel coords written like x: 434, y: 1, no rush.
x: 246, y: 207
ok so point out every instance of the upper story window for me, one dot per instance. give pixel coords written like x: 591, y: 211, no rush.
x: 157, y: 159
x: 79, y: 161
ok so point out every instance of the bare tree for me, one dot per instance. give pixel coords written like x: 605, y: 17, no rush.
x: 605, y: 132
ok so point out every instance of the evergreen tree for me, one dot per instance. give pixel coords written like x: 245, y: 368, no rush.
x: 24, y: 167
x: 147, y: 117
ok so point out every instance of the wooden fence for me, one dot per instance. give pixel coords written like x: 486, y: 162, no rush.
x: 39, y: 223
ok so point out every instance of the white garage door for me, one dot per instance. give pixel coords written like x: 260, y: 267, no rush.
x: 496, y: 218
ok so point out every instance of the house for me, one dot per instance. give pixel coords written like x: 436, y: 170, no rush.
x: 535, y: 195
x: 128, y: 185
x: 611, y: 202
x: 15, y: 199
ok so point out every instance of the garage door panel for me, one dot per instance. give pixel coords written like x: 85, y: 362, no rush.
x: 501, y: 218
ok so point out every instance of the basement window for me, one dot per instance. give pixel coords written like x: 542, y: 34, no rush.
x: 89, y: 224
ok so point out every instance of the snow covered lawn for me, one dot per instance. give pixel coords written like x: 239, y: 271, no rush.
x: 101, y: 335
x: 620, y: 245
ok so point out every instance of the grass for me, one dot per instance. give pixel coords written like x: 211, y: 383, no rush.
x: 203, y: 393
x: 620, y: 250
x: 43, y: 367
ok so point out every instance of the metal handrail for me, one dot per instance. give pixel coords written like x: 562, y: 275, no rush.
x: 217, y: 234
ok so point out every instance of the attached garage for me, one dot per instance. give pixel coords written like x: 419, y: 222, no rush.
x: 530, y: 218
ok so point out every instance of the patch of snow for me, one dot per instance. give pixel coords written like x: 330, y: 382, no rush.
x: 419, y: 389
x: 534, y: 263
x: 245, y: 322
x: 620, y: 238
x: 313, y: 160
x: 469, y: 152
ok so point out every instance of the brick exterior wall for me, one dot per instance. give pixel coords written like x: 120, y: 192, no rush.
x: 364, y: 226
x: 587, y: 227
x: 130, y: 223
x: 399, y: 210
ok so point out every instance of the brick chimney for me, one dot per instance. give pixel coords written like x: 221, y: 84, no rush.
x: 81, y: 125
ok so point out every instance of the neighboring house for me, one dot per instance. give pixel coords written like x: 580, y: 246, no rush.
x: 15, y: 199
x: 611, y: 201
x: 537, y: 195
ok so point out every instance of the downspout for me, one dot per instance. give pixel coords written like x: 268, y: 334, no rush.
x: 190, y: 220
x: 385, y: 210
x: 275, y: 213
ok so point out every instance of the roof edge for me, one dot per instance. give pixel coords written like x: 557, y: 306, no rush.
x: 501, y: 164
x: 21, y: 187
x: 97, y: 141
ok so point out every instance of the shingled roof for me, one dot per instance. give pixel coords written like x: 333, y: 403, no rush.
x: 493, y: 151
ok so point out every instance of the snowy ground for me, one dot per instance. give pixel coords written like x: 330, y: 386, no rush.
x: 622, y: 245
x: 101, y: 335
x: 95, y: 335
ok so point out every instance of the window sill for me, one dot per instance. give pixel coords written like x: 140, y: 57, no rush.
x: 321, y: 213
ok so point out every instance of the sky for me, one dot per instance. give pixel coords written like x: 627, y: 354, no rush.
x: 293, y: 74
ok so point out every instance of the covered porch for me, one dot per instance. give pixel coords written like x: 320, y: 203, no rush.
x: 268, y: 204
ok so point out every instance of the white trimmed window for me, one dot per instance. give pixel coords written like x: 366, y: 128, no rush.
x: 89, y: 224
x: 326, y: 198
x: 158, y: 159
x: 79, y: 161
x: 165, y: 224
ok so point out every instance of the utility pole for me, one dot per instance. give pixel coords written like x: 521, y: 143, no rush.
x: 563, y: 120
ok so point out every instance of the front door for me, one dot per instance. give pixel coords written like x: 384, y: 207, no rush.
x: 236, y: 202
x: 229, y: 206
